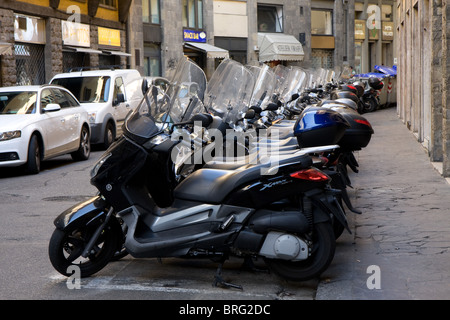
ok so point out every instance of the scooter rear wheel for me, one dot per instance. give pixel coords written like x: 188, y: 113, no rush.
x: 66, y: 247
x: 324, y: 246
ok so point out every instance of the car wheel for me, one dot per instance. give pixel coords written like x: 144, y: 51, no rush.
x: 33, y: 165
x: 109, y: 135
x: 84, y: 149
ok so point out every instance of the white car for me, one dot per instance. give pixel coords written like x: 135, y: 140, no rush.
x: 41, y: 122
x: 108, y: 96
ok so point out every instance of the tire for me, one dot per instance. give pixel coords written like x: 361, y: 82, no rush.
x: 370, y: 105
x: 324, y: 245
x: 66, y: 247
x: 33, y: 165
x: 110, y: 135
x: 84, y: 150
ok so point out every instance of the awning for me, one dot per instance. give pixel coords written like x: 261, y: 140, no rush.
x: 117, y: 53
x: 211, y: 51
x: 81, y: 49
x: 279, y: 46
x: 5, y: 48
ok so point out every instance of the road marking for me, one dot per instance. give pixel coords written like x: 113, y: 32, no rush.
x: 160, y: 285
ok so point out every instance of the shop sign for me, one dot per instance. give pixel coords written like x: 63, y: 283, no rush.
x: 75, y: 34
x: 108, y: 37
x: 374, y: 34
x: 194, y: 36
x: 29, y: 29
x: 360, y: 29
x: 388, y: 31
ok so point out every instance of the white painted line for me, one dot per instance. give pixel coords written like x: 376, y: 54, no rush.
x: 160, y: 285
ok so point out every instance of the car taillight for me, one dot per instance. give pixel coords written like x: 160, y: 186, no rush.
x: 311, y: 174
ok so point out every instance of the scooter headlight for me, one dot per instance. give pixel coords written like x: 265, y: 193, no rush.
x: 156, y: 140
x: 159, y: 139
x: 99, y: 163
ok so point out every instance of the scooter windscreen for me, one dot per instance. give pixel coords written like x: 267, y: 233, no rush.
x: 265, y: 82
x: 229, y: 91
x: 158, y: 111
x: 294, y: 83
x: 150, y: 117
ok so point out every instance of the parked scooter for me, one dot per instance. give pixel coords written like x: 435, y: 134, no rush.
x: 279, y: 209
x: 311, y: 118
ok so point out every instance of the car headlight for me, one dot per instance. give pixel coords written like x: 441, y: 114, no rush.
x: 92, y: 117
x: 99, y: 163
x: 8, y: 135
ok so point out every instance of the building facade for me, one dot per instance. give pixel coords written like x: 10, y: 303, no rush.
x: 152, y: 35
x: 375, y: 40
x: 204, y: 29
x: 39, y: 39
x: 423, y: 31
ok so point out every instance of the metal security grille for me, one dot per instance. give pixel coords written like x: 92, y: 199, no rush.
x: 73, y: 60
x: 30, y: 64
x: 322, y: 58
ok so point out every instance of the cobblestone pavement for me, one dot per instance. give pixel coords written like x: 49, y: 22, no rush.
x: 401, y: 240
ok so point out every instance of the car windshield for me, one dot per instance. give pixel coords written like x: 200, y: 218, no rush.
x: 87, y: 89
x: 18, y: 102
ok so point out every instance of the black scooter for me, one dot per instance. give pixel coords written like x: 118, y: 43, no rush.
x: 281, y: 209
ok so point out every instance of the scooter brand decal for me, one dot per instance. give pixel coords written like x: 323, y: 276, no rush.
x: 275, y: 183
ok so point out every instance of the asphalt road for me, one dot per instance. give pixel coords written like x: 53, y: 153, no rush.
x: 30, y: 203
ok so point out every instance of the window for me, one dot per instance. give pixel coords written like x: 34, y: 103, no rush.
x: 87, y: 89
x: 150, y: 11
x: 119, y: 88
x: 46, y: 98
x: 270, y: 19
x: 18, y: 102
x: 193, y: 14
x: 109, y: 3
x: 322, y: 22
x: 152, y: 60
x: 64, y: 99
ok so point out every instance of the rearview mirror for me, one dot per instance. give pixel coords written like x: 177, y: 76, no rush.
x: 250, y: 114
x: 119, y: 99
x: 144, y: 86
x: 52, y: 107
x: 272, y: 107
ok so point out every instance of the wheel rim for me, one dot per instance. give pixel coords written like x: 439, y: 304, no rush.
x: 73, y: 246
x: 85, y: 145
x: 37, y: 157
x: 109, y: 135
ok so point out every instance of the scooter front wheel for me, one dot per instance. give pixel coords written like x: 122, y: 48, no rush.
x: 323, y: 249
x: 66, y: 247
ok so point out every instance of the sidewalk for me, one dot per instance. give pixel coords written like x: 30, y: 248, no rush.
x: 404, y: 228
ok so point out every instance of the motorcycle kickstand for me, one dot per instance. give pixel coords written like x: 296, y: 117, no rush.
x: 220, y: 282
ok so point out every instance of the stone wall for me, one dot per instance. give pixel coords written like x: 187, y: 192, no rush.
x: 445, y: 89
x: 423, y: 75
x: 8, y: 62
x: 53, y: 49
x: 172, y: 40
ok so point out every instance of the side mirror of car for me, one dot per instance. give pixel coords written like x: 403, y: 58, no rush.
x: 52, y: 107
x: 119, y: 99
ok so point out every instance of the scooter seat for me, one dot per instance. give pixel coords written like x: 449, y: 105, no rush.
x: 210, y: 185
